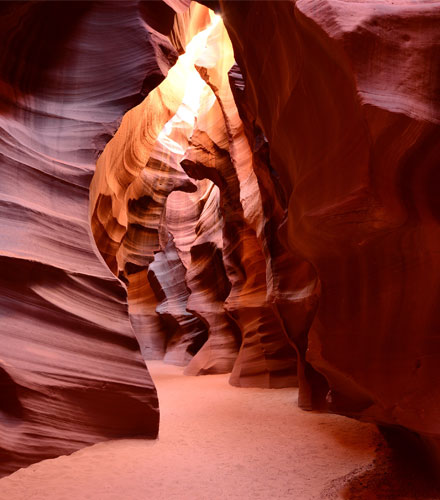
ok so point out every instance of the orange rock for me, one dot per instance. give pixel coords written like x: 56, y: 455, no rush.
x: 345, y: 94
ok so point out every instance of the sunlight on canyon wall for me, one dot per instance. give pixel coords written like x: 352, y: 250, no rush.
x: 177, y: 214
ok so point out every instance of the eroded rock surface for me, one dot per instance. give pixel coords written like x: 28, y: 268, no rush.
x: 347, y: 95
x: 154, y: 207
x: 275, y: 218
x: 70, y: 369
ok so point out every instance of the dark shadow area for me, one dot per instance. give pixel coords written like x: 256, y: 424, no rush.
x: 24, y: 65
x: 10, y: 406
x: 400, y: 471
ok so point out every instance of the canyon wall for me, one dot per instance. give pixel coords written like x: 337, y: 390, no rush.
x: 175, y: 201
x: 347, y: 95
x: 70, y: 369
x: 275, y: 218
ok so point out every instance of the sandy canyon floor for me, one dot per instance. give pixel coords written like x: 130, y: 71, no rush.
x: 220, y: 442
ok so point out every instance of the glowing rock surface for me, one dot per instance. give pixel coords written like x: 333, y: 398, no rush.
x: 275, y: 218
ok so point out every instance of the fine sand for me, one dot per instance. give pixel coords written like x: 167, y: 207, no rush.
x: 216, y: 442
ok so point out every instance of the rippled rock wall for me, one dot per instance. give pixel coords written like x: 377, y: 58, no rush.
x: 347, y: 95
x: 70, y: 369
x: 175, y: 199
x: 276, y: 218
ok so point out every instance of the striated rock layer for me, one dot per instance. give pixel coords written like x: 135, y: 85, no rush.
x: 137, y: 171
x: 276, y: 219
x: 196, y: 221
x: 347, y: 95
x: 154, y: 207
x: 70, y: 369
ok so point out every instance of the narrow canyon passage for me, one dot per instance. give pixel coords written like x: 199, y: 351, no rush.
x: 215, y: 442
x: 230, y: 208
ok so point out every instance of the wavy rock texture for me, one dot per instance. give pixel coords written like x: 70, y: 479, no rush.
x: 195, y: 221
x: 150, y: 330
x: 219, y: 244
x: 292, y: 285
x: 137, y: 171
x: 188, y: 333
x: 265, y: 359
x: 347, y: 96
x: 191, y: 209
x: 70, y: 370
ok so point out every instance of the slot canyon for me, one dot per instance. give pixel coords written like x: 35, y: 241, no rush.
x: 220, y: 249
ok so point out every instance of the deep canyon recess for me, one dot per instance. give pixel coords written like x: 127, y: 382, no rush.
x: 276, y: 218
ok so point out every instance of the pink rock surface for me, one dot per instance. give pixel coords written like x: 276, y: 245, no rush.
x: 196, y: 223
x: 186, y: 332
x: 70, y: 369
x: 276, y: 219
